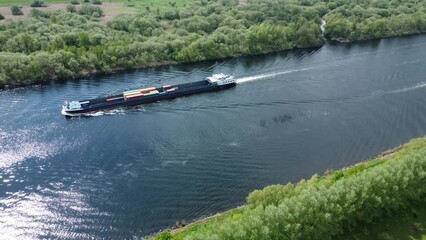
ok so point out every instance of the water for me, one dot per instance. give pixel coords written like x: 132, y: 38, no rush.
x: 127, y: 173
x: 323, y: 24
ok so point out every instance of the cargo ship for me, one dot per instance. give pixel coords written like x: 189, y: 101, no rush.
x: 147, y: 95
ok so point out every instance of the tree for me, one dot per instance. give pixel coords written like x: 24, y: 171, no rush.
x: 71, y: 8
x: 89, y: 9
x: 16, y: 10
x: 338, y: 27
x: 97, y: 2
x: 83, y: 39
x: 35, y: 13
x: 37, y: 3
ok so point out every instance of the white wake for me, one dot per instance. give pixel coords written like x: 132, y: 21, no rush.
x: 420, y: 85
x: 269, y: 75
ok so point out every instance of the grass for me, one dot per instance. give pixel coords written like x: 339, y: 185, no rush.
x: 181, y: 233
x: 5, y: 3
x: 111, y: 8
x: 408, y: 224
x: 132, y: 3
x: 161, y: 3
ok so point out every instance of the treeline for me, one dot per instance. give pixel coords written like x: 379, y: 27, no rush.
x: 366, y: 19
x: 326, y: 207
x: 60, y: 45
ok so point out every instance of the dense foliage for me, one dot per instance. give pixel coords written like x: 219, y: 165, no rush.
x: 359, y: 20
x: 60, y: 45
x: 66, y: 45
x: 325, y: 207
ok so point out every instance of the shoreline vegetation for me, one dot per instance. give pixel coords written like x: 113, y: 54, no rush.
x: 58, y: 45
x: 382, y: 198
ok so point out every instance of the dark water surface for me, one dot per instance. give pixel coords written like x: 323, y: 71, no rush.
x: 128, y: 173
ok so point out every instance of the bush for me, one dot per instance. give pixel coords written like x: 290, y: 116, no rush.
x: 89, y: 9
x: 35, y: 13
x: 37, y: 3
x: 270, y: 195
x: 16, y: 10
x: 71, y: 8
x: 75, y: 2
x: 86, y: 1
x: 97, y: 2
x: 1, y: 16
x: 96, y: 15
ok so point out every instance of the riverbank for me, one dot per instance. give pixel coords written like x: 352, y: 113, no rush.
x: 406, y: 165
x: 78, y: 52
x: 60, y: 45
x: 94, y: 73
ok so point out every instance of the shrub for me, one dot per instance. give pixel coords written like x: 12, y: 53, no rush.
x: 96, y: 15
x: 16, y: 10
x: 97, y: 2
x: 270, y: 195
x: 35, y: 13
x: 1, y: 16
x: 71, y: 8
x: 86, y: 1
x: 75, y: 2
x: 89, y: 9
x: 37, y: 3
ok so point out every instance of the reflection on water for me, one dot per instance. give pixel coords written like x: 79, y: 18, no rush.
x: 16, y: 146
x: 127, y: 173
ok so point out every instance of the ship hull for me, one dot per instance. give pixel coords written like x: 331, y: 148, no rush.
x: 183, y: 90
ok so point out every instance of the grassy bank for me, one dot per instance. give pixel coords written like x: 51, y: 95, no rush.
x: 383, y: 198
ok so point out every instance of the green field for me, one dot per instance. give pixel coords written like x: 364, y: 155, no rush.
x: 135, y: 3
x: 26, y: 2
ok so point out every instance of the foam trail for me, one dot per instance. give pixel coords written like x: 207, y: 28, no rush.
x: 119, y: 111
x: 269, y: 75
x: 420, y: 85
